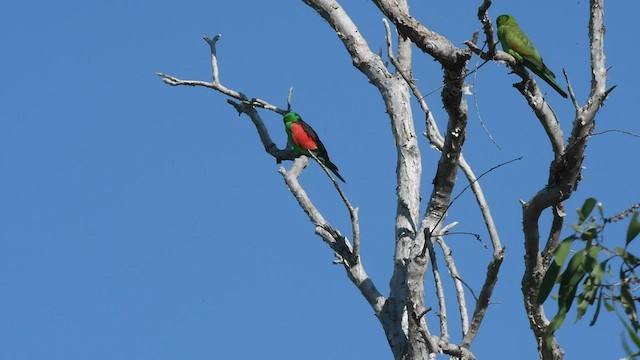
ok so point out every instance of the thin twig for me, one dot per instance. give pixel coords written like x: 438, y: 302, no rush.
x: 437, y: 140
x: 332, y: 237
x: 433, y: 133
x: 615, y: 131
x: 483, y: 16
x: 214, y: 57
x: 353, y: 212
x: 216, y: 84
x: 289, y: 99
x: 622, y: 214
x: 528, y: 87
x: 475, y: 181
x: 564, y: 175
x: 483, y: 299
x: 477, y: 106
x: 554, y: 235
x: 455, y: 276
x: 442, y: 304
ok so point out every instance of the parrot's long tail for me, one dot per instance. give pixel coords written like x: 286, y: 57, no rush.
x: 323, y: 159
x: 334, y: 169
x: 548, y: 76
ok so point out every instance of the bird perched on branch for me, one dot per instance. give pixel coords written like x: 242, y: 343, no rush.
x: 305, y: 141
x: 516, y: 43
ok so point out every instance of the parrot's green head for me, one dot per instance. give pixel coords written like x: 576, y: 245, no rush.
x: 506, y: 20
x: 290, y: 118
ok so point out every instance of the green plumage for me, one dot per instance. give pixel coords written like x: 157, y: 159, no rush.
x: 304, y: 141
x: 515, y: 42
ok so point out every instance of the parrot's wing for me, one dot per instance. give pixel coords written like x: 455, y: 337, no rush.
x: 312, y: 134
x: 308, y: 129
x: 321, y: 151
x: 520, y: 43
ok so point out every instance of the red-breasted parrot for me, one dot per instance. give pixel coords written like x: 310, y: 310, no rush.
x: 515, y: 42
x: 304, y: 140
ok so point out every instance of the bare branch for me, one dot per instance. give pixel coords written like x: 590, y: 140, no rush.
x: 289, y: 98
x: 332, y: 237
x: 616, y: 131
x: 269, y: 146
x: 348, y: 255
x: 554, y: 235
x: 353, y: 212
x: 436, y: 139
x: 216, y: 84
x: 442, y: 304
x: 483, y: 16
x: 493, y: 268
x: 214, y: 57
x: 363, y: 58
x: 430, y: 42
x: 455, y: 276
x: 477, y: 106
x: 433, y: 133
x: 531, y: 92
x: 622, y: 214
x: 564, y: 175
x: 572, y: 95
x: 483, y: 299
x: 243, y: 104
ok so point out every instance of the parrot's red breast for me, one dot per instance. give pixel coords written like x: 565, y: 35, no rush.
x: 302, y: 138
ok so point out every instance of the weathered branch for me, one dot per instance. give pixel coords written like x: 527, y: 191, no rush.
x: 436, y: 139
x: 353, y: 212
x: 349, y: 256
x: 455, y: 276
x: 564, y: 175
x: 217, y: 85
x: 433, y: 133
x: 362, y: 57
x: 243, y: 105
x: 332, y: 237
x: 442, y: 304
x: 485, y: 296
x: 430, y: 42
x: 554, y: 235
x: 530, y: 90
x: 269, y: 146
x: 393, y: 89
x: 483, y: 16
x: 446, y: 173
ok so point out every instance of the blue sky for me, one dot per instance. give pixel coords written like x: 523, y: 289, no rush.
x: 142, y: 221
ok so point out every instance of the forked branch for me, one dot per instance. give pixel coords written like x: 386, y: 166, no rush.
x: 348, y: 254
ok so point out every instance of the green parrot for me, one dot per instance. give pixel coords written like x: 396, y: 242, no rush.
x: 304, y: 140
x: 515, y: 42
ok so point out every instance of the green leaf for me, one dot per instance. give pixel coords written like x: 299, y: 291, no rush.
x: 634, y: 228
x: 586, y: 209
x: 633, y: 335
x: 597, y: 312
x: 628, y: 257
x: 583, y: 304
x: 591, y: 286
x: 591, y: 259
x: 588, y: 234
x: 629, y: 306
x: 551, y: 276
x: 569, y: 281
x: 608, y: 306
x: 627, y: 349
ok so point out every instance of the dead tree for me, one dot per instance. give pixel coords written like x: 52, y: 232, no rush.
x: 419, y: 232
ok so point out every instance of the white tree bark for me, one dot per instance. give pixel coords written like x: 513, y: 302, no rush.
x: 419, y: 233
